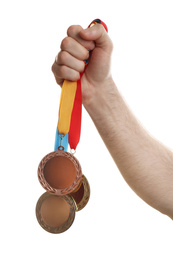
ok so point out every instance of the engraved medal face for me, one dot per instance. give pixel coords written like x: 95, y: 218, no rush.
x: 59, y: 173
x: 55, y: 214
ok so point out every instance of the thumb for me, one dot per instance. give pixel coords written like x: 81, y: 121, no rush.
x: 98, y: 34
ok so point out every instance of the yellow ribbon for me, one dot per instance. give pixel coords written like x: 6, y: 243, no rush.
x: 68, y: 93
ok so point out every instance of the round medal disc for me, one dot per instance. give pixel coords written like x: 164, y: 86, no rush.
x: 82, y: 195
x: 59, y: 172
x: 55, y: 214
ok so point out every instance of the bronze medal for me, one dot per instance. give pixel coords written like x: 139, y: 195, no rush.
x: 55, y: 214
x: 59, y: 172
x: 82, y: 195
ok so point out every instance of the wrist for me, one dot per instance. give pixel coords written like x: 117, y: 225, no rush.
x: 102, y: 98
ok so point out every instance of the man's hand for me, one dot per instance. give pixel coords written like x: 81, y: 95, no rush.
x: 69, y: 63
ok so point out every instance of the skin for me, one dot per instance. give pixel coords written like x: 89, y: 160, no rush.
x: 144, y: 162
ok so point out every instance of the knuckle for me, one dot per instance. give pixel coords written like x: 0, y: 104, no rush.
x: 69, y: 74
x: 85, y: 54
x: 71, y: 30
x: 65, y: 43
x: 62, y: 57
x: 53, y: 67
x: 62, y: 71
x: 75, y: 76
x: 82, y: 66
x: 58, y: 71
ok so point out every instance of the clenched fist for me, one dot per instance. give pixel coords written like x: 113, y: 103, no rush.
x: 69, y: 62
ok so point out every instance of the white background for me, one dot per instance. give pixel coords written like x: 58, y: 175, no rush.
x: 115, y: 224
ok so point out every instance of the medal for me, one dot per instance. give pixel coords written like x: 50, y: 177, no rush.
x: 59, y: 172
x: 56, y: 214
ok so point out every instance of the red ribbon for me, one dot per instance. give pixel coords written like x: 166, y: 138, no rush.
x: 75, y: 124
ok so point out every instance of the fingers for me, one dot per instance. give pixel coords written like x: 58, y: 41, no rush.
x: 74, y: 50
x: 62, y: 72
x: 98, y: 34
x: 74, y: 32
x: 69, y: 62
x: 67, y: 67
x: 65, y: 58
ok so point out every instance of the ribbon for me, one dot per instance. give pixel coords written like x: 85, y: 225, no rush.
x: 70, y: 109
x: 58, y: 139
x: 68, y: 93
x: 67, y: 98
x: 75, y: 125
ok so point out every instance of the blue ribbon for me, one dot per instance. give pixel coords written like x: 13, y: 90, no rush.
x: 58, y: 141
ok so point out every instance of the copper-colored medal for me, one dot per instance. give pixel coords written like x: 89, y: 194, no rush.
x: 82, y: 195
x: 54, y: 213
x: 59, y: 172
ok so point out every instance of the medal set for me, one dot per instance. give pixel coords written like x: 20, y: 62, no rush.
x: 59, y: 172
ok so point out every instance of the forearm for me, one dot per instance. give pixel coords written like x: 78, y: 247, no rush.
x: 145, y: 164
